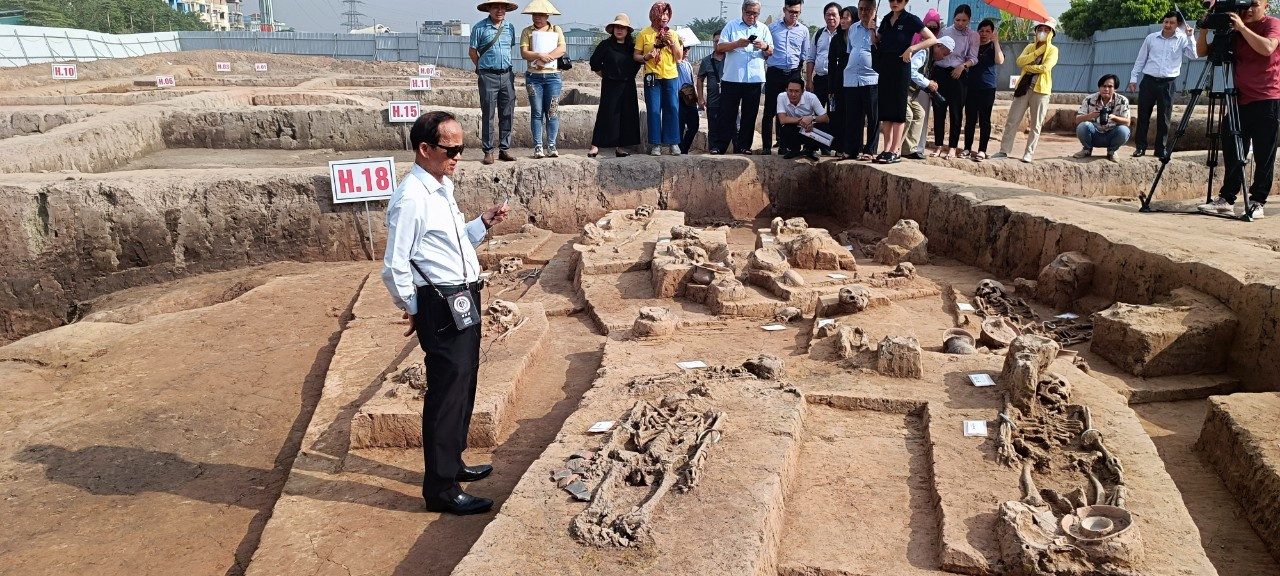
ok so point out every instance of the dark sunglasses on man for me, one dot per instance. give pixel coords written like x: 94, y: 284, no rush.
x: 449, y: 151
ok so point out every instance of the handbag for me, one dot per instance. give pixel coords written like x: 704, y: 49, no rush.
x: 688, y: 95
x: 1024, y: 82
x: 564, y: 62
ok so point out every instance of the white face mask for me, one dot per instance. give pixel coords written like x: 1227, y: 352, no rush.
x: 1041, y: 36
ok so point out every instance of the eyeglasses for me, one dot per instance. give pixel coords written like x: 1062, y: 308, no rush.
x: 449, y: 151
x: 897, y: 1
x: 746, y: 13
x: 795, y: 12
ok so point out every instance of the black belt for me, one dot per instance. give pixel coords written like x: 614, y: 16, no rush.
x: 451, y: 289
x: 495, y: 70
x: 1155, y: 79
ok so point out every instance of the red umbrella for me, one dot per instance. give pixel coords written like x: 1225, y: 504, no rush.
x: 1029, y: 9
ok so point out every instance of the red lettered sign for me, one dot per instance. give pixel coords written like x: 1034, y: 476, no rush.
x: 419, y: 83
x: 260, y: 67
x: 427, y: 70
x: 406, y: 111
x: 64, y: 72
x: 165, y: 82
x: 222, y: 66
x: 361, y: 180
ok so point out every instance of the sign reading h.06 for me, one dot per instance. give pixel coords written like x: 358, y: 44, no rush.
x: 165, y: 82
x: 64, y: 72
x: 361, y: 180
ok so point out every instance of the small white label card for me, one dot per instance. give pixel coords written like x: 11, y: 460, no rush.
x: 824, y: 321
x: 773, y: 327
x: 981, y: 380
x: 965, y: 307
x: 664, y: 240
x: 849, y: 247
x: 604, y: 426
x: 1067, y: 316
x: 976, y: 428
x: 765, y: 238
x: 691, y: 365
x: 837, y: 276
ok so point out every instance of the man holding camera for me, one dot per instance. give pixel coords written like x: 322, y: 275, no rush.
x: 1257, y: 81
x: 1103, y: 119
x: 922, y: 80
x: 1158, y: 65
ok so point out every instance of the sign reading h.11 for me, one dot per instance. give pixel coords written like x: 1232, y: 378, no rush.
x: 64, y: 72
x: 165, y: 82
x: 419, y: 83
x: 361, y: 180
x: 407, y: 111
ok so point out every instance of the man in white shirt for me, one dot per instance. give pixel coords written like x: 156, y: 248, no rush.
x: 746, y: 43
x: 433, y: 276
x: 799, y: 110
x: 1158, y: 65
x: 816, y: 68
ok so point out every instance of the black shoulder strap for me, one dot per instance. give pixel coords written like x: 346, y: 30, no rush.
x: 501, y: 29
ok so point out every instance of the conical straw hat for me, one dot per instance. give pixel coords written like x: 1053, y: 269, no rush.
x: 511, y: 6
x: 540, y: 7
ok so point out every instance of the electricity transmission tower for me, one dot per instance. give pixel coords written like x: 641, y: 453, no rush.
x: 353, y: 14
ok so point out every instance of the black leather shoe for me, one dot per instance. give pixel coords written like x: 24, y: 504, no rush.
x: 473, y: 473
x: 461, y: 505
x: 1140, y: 152
x: 791, y: 155
x: 914, y: 156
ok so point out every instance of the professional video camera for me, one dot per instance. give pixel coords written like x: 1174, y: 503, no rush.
x: 1218, y: 18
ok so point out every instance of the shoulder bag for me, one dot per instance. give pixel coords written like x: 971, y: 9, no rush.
x: 1025, y: 82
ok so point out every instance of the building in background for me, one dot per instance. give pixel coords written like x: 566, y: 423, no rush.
x: 375, y: 29
x: 235, y: 15
x: 445, y: 28
x: 215, y: 13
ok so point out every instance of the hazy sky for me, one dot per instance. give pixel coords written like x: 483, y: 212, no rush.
x: 326, y: 15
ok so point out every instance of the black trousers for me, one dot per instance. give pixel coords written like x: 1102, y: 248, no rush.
x: 790, y: 138
x: 1259, y: 125
x: 453, y: 359
x: 955, y: 91
x: 821, y: 88
x: 977, y: 113
x: 775, y: 83
x: 688, y: 126
x: 1156, y: 92
x: 861, y: 107
x: 737, y: 98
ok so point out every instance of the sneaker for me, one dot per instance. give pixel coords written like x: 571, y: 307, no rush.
x: 1084, y: 153
x: 1257, y: 210
x: 655, y: 150
x: 537, y: 152
x: 1218, y: 206
x: 1026, y: 158
x: 1111, y: 156
x: 675, y: 150
x: 552, y: 152
x: 999, y: 155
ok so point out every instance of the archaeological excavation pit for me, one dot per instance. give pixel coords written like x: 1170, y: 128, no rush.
x: 179, y: 279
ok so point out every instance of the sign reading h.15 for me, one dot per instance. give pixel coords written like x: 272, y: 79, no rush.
x: 64, y: 72
x: 260, y: 67
x: 222, y: 66
x: 165, y: 82
x: 419, y: 83
x: 407, y: 111
x: 426, y: 69
x: 361, y: 180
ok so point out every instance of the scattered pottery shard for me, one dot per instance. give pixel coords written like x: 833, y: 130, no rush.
x: 854, y: 299
x: 583, y: 454
x: 566, y: 481
x: 765, y: 367
x: 579, y: 491
x: 900, y: 357
x: 905, y: 243
x: 768, y: 259
x: 593, y: 235
x: 792, y: 278
x: 655, y: 321
x: 997, y: 332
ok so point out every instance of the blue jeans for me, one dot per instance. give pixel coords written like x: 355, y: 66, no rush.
x: 1091, y: 137
x: 662, y: 112
x: 544, y: 103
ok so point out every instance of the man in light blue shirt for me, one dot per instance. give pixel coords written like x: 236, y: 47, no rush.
x: 860, y: 96
x: 491, y: 43
x: 745, y: 43
x: 784, y: 65
x: 1158, y: 65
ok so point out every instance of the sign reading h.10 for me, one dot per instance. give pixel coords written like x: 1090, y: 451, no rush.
x: 427, y: 70
x: 260, y: 67
x: 407, y: 111
x: 165, y: 82
x: 419, y: 83
x: 64, y: 72
x: 222, y: 66
x: 361, y: 180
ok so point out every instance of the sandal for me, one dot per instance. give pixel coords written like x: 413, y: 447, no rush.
x: 978, y: 156
x: 936, y: 152
x: 892, y: 158
x: 884, y: 157
x: 864, y: 157
x: 842, y: 157
x: 964, y: 154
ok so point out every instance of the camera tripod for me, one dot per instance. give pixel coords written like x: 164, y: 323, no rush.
x: 1223, y: 111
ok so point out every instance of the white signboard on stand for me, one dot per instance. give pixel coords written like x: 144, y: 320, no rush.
x: 1013, y: 81
x: 65, y: 72
x: 165, y: 82
x: 362, y: 180
x: 260, y: 67
x: 406, y: 111
x: 222, y: 66
x: 427, y: 70
x: 419, y: 83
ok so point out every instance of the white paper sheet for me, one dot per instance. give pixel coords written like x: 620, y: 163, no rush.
x: 975, y: 428
x: 603, y: 426
x: 692, y: 364
x: 981, y: 380
x: 545, y: 42
x: 964, y: 307
x: 773, y: 327
x: 818, y: 135
x: 837, y: 276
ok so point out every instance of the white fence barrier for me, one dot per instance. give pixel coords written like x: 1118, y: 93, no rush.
x: 22, y: 45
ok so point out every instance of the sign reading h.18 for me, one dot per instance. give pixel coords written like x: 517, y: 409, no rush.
x: 64, y: 72
x: 222, y: 66
x: 427, y: 70
x: 260, y: 67
x: 419, y: 83
x: 165, y: 82
x: 361, y: 180
x: 407, y: 111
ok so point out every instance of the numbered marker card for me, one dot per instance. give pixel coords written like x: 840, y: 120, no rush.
x: 64, y: 72
x: 223, y: 66
x: 428, y: 70
x: 362, y: 180
x: 165, y: 82
x: 260, y: 67
x: 419, y: 83
x: 407, y: 111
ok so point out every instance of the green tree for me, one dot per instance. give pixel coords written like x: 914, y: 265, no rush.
x: 706, y: 27
x: 1085, y: 17
x: 111, y: 16
x: 1014, y: 29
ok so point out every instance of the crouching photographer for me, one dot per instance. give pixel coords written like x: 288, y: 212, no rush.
x: 1253, y: 37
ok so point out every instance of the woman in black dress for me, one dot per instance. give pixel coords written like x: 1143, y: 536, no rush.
x: 896, y: 31
x: 837, y: 58
x: 618, y: 116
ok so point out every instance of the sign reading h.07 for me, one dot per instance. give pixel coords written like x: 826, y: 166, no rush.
x: 64, y: 72
x: 407, y: 111
x: 426, y: 69
x: 165, y: 82
x: 361, y: 180
x: 419, y: 83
